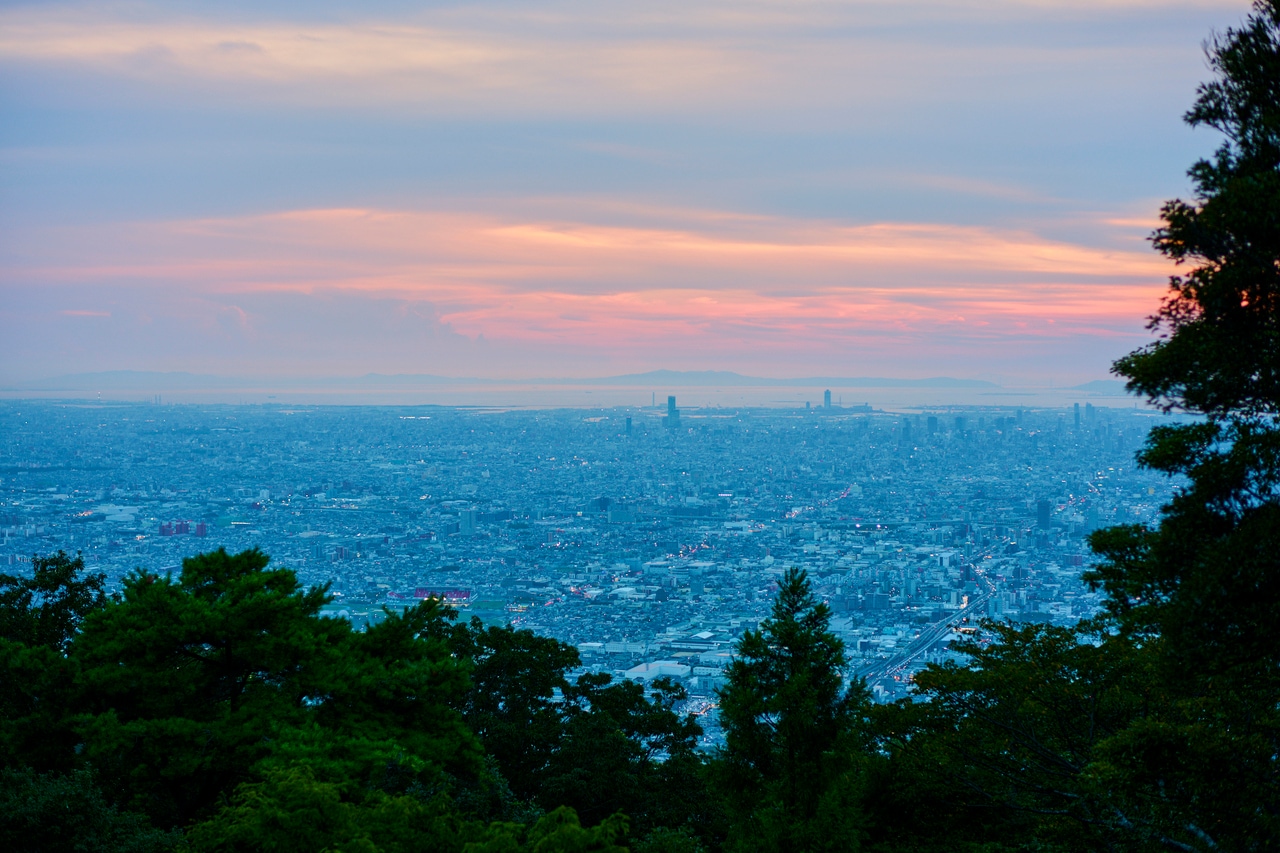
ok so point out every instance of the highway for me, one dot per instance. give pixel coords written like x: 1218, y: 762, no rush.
x: 898, y: 664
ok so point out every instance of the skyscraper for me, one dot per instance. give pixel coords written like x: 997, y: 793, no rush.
x: 826, y: 399
x: 467, y: 521
x: 673, y: 414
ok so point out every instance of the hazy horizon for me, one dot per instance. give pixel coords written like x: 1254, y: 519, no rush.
x: 640, y: 391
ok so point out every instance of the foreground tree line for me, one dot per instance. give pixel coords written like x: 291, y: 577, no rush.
x: 217, y: 711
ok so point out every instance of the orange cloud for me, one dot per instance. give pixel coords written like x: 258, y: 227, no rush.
x: 594, y: 283
x: 559, y: 57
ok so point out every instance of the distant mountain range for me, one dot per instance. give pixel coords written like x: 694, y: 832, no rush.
x: 146, y: 380
x: 1109, y: 387
x: 704, y: 378
x: 141, y: 380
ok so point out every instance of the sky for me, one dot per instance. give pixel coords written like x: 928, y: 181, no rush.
x: 569, y: 189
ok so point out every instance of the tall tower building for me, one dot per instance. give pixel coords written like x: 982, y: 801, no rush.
x: 826, y: 399
x: 467, y: 521
x: 673, y: 414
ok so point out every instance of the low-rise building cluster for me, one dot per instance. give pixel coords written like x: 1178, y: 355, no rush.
x: 649, y: 542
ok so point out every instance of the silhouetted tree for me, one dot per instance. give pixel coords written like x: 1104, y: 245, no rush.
x: 39, y: 616
x: 791, y: 766
x: 1206, y: 580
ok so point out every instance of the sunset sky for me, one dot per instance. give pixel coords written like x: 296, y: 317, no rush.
x: 524, y: 189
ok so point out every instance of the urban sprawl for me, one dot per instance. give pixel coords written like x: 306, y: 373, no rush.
x: 650, y: 537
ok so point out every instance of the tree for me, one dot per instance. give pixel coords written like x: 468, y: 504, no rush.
x: 625, y: 748
x: 1203, y: 587
x: 793, y: 730
x: 1218, y: 350
x: 190, y: 687
x: 515, y: 701
x: 47, y: 608
x: 594, y: 745
x: 1207, y: 579
x: 39, y: 616
x: 1160, y: 731
x: 1006, y: 745
x: 55, y: 813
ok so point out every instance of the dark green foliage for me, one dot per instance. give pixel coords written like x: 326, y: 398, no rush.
x: 1157, y: 728
x: 47, y: 608
x: 38, y: 618
x: 221, y: 703
x: 292, y: 810
x: 184, y: 680
x: 1219, y: 327
x: 398, y: 682
x: 48, y: 813
x: 1207, y: 580
x: 594, y: 745
x: 189, y: 686
x: 609, y: 756
x: 665, y: 840
x: 1006, y: 745
x: 558, y: 832
x: 513, y: 704
x: 794, y: 731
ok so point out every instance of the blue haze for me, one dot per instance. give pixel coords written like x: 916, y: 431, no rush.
x: 661, y: 545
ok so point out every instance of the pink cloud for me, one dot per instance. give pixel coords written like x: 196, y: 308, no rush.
x: 651, y: 284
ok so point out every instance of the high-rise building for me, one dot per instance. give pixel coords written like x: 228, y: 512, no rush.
x: 673, y: 414
x: 1042, y: 514
x: 467, y: 521
x: 628, y: 426
x: 826, y: 399
x: 933, y: 424
x: 1077, y: 415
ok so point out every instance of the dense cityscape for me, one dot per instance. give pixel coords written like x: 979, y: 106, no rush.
x: 649, y: 537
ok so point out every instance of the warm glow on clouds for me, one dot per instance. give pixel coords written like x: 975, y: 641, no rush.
x: 568, y: 187
x: 557, y: 57
x: 720, y: 283
x: 447, y: 65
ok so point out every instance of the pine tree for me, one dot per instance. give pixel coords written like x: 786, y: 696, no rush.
x: 1202, y: 589
x: 790, y: 765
